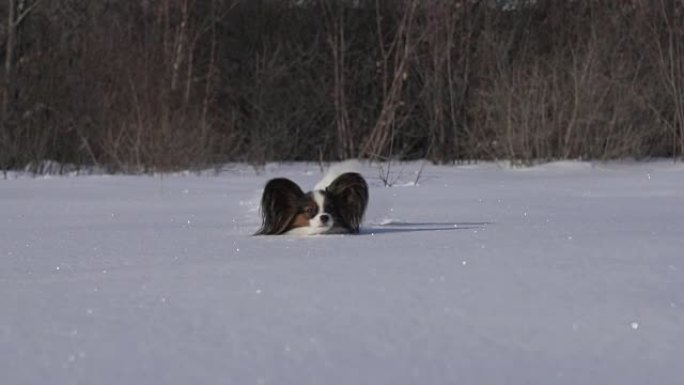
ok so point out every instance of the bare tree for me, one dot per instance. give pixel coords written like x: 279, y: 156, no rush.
x: 394, y: 67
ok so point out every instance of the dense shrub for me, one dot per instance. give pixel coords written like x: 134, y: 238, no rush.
x: 167, y: 84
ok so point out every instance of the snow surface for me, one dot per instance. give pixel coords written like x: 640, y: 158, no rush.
x: 566, y: 273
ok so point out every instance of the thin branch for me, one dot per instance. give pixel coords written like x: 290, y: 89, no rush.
x: 25, y: 13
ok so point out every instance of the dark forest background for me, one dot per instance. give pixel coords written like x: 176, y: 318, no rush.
x: 168, y: 84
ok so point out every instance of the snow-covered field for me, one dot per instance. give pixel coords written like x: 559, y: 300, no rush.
x: 566, y: 273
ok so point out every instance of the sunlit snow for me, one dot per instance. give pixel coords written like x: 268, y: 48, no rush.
x: 565, y: 273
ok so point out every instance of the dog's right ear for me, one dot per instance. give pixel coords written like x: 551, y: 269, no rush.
x: 278, y: 206
x: 350, y: 193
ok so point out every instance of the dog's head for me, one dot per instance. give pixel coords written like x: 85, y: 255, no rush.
x: 339, y: 208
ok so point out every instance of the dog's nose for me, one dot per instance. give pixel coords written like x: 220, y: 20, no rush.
x: 324, y: 218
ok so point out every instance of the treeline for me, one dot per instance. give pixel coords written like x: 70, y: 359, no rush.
x: 168, y: 84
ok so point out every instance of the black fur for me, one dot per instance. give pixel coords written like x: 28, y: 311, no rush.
x: 278, y: 206
x: 349, y: 192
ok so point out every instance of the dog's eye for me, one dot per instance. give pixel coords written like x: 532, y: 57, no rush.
x: 310, y: 211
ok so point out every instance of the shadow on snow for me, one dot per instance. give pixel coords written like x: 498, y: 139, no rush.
x: 407, y: 227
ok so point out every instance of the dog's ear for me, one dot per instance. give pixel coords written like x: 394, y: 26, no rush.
x: 278, y: 205
x: 350, y: 194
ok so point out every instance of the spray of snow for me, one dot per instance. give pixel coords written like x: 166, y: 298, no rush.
x: 336, y: 170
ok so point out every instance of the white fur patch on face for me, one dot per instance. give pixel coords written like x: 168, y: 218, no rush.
x: 316, y: 225
x: 319, y: 198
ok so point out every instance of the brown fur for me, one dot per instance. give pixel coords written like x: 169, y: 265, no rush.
x: 300, y: 220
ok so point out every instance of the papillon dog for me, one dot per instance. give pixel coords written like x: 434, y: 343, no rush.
x: 335, y: 207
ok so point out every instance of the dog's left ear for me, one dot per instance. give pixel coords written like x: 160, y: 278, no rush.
x: 350, y: 193
x: 278, y: 206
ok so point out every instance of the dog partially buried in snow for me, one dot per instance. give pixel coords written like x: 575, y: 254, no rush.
x: 336, y: 205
